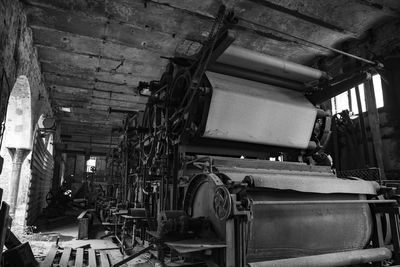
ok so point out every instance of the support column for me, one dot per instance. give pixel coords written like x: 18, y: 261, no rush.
x: 18, y: 156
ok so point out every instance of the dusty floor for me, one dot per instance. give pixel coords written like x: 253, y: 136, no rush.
x: 66, y: 231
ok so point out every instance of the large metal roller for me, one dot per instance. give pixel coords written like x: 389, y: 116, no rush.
x: 287, y: 219
x: 252, y: 112
x: 331, y: 259
x: 262, y: 63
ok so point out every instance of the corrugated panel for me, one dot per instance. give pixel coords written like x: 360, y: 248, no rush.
x: 42, y: 165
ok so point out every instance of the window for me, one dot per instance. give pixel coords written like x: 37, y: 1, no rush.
x: 376, y: 80
x: 348, y: 100
x: 91, y: 164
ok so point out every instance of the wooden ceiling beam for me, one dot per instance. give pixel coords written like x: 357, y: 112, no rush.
x: 101, y: 81
x: 92, y: 46
x: 97, y: 94
x: 68, y: 79
x: 96, y: 63
x: 88, y: 101
x: 103, y: 27
x: 148, y: 16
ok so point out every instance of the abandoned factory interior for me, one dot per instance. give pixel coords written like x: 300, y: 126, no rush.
x: 216, y: 133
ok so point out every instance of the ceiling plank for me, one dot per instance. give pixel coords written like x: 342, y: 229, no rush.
x: 248, y: 36
x: 102, y: 27
x: 68, y: 79
x: 96, y: 64
x: 66, y: 100
x: 90, y: 93
x: 138, y: 14
x: 118, y: 79
x: 91, y: 46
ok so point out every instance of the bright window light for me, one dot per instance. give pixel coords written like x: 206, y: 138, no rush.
x: 65, y: 109
x: 341, y: 102
x: 376, y: 80
x: 90, y: 163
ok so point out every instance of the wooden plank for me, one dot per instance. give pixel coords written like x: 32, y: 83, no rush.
x: 99, y: 75
x: 363, y: 130
x: 79, y: 257
x: 104, y: 259
x: 48, y: 261
x: 96, y: 63
x: 65, y: 257
x: 82, y: 215
x: 373, y: 119
x: 180, y: 24
x: 92, y: 258
x: 92, y: 46
x: 128, y: 96
x: 99, y: 98
x: 102, y: 27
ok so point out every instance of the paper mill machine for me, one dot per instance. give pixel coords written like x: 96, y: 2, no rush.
x: 202, y: 171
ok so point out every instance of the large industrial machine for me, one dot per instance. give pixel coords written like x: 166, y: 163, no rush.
x: 228, y: 160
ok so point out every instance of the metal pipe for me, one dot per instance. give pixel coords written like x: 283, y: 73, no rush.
x: 18, y: 156
x: 255, y: 76
x: 262, y: 63
x: 331, y: 259
x: 313, y: 202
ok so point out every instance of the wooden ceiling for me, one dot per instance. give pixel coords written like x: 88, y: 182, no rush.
x: 93, y: 53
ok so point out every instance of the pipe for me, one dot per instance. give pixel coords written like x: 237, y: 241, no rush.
x: 254, y: 61
x: 330, y: 259
x: 18, y: 156
x: 255, y: 76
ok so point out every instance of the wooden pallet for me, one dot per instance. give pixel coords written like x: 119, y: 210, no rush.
x: 79, y: 257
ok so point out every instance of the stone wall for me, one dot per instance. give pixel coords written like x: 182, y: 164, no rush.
x: 18, y: 57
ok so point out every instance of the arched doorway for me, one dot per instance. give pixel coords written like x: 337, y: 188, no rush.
x: 15, y: 149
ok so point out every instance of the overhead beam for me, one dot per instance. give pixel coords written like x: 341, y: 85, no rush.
x: 295, y: 13
x: 89, y: 122
x: 133, y: 98
x: 92, y: 46
x: 136, y: 14
x: 116, y: 81
x: 248, y: 36
x: 71, y: 80
x: 104, y: 28
x: 98, y: 97
x: 90, y: 143
x: 96, y: 64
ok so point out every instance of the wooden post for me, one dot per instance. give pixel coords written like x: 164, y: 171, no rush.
x: 373, y: 119
x: 362, y: 128
x: 230, y: 255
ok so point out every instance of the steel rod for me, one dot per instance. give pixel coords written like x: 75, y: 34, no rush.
x: 312, y: 202
x: 312, y: 43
